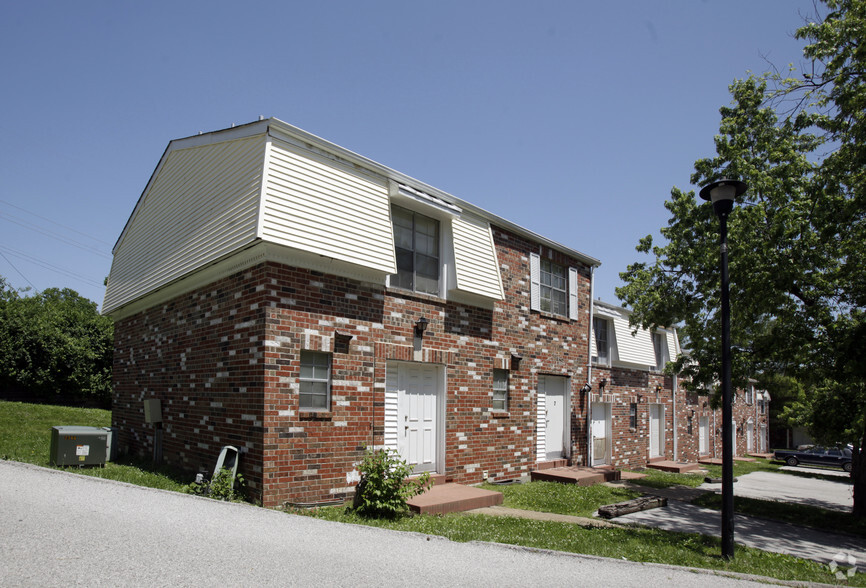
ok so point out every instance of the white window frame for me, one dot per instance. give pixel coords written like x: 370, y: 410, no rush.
x: 660, y: 348
x: 606, y: 323
x: 439, y: 261
x: 535, y: 288
x: 308, y: 360
x: 500, y: 394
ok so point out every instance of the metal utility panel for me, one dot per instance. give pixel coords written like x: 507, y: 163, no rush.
x: 72, y: 445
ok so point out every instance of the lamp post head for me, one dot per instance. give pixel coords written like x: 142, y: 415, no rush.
x: 722, y: 193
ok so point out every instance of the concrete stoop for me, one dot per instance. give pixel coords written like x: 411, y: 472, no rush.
x: 667, y: 465
x: 582, y: 476
x: 451, y: 497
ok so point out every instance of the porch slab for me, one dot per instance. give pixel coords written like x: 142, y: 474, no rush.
x: 762, y: 455
x: 673, y: 466
x: 582, y: 476
x: 451, y: 497
x: 718, y: 460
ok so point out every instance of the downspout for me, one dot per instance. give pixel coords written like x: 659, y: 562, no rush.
x: 588, y: 462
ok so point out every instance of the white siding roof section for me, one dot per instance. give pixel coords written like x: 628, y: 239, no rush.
x: 475, y: 258
x: 323, y: 206
x: 637, y: 348
x: 201, y: 204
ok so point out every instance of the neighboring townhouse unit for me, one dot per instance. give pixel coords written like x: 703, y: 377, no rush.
x: 283, y: 295
x: 633, y: 410
x: 639, y: 415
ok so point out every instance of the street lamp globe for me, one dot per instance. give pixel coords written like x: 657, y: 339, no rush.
x: 722, y: 193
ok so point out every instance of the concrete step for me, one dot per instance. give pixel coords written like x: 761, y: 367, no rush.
x: 450, y: 497
x: 673, y: 466
x: 582, y: 476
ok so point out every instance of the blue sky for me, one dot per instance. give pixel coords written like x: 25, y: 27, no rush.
x: 573, y: 119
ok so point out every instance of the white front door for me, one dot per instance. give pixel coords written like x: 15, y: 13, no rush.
x: 762, y: 442
x: 657, y: 430
x: 750, y: 437
x: 704, y: 435
x: 601, y: 436
x: 554, y: 389
x: 418, y: 415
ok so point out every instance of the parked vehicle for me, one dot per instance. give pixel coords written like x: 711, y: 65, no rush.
x: 816, y: 455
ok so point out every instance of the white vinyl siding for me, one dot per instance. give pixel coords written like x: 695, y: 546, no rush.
x: 321, y: 206
x: 201, y: 204
x: 392, y: 406
x: 637, y: 349
x: 475, y: 259
x: 540, y: 427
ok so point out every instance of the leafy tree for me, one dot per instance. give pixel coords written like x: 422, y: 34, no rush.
x: 54, y: 346
x: 797, y: 241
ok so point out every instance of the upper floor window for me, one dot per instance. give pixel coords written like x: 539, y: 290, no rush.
x: 554, y: 288
x: 660, y: 346
x: 600, y: 328
x: 315, y: 381
x: 500, y: 389
x: 750, y: 390
x: 416, y: 241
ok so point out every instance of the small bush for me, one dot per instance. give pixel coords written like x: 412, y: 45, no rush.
x: 221, y: 487
x: 385, y: 485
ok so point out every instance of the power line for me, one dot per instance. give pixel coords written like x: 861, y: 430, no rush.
x: 19, y: 271
x: 62, y: 239
x: 56, y: 223
x: 46, y: 265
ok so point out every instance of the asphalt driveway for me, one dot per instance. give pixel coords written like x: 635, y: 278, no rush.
x: 62, y: 529
x: 790, y: 488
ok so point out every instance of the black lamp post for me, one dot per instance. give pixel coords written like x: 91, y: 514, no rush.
x: 722, y: 194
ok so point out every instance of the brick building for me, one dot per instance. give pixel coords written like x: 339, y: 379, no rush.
x: 639, y: 415
x: 285, y: 296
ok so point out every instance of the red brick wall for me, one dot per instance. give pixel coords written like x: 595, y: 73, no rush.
x: 224, y: 360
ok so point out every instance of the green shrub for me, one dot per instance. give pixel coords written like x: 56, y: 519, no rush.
x: 221, y: 487
x: 385, y: 485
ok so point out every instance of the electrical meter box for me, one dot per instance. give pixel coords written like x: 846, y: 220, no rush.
x: 71, y: 445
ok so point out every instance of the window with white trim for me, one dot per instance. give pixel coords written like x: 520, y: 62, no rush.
x: 660, y: 346
x: 553, y: 287
x: 500, y: 390
x: 601, y: 331
x: 315, y: 380
x: 750, y: 391
x: 416, y: 244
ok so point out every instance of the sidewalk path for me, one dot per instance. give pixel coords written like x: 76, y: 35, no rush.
x: 773, y: 536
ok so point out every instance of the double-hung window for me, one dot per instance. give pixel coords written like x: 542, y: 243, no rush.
x: 553, y: 288
x: 416, y: 243
x: 315, y: 381
x: 600, y: 327
x: 500, y: 389
x: 661, y: 350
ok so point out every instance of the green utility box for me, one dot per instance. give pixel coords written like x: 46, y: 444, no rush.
x: 71, y: 445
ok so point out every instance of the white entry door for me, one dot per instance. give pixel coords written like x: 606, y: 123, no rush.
x: 750, y: 437
x: 734, y: 436
x: 554, y: 389
x: 762, y: 442
x: 418, y: 415
x: 704, y: 435
x: 657, y: 430
x: 601, y: 433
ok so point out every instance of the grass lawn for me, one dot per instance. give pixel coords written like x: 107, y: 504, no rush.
x: 25, y: 435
